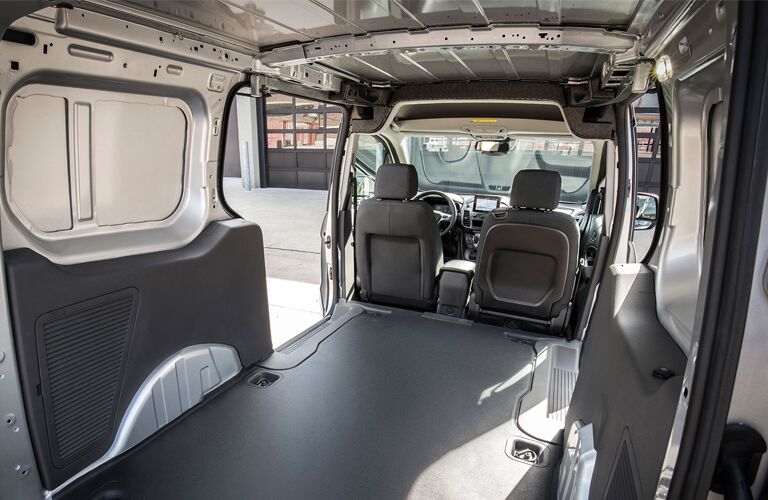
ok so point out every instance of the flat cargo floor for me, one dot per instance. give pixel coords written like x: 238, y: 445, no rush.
x: 389, y: 405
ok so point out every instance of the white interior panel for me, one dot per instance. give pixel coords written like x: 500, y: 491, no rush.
x: 37, y: 162
x: 82, y: 156
x: 138, y: 161
x: 165, y: 136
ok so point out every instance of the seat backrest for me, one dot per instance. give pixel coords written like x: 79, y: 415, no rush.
x: 528, y: 254
x: 398, y: 249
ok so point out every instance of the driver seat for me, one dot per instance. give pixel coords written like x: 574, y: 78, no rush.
x: 398, y: 249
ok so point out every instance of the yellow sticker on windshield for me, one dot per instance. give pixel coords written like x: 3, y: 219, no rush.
x: 484, y: 120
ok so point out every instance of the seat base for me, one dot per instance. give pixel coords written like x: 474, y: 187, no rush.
x: 556, y: 326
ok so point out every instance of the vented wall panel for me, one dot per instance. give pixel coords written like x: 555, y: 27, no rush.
x: 82, y: 350
x: 212, y: 291
x: 622, y: 485
x: 560, y: 392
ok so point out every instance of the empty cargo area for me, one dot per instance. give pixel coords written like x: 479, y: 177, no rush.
x: 376, y: 403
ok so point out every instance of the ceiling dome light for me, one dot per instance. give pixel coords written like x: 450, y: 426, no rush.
x: 663, y: 69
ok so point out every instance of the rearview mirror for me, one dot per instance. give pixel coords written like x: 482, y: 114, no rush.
x: 646, y: 206
x: 492, y: 147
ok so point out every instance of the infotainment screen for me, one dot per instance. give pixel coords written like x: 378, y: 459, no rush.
x: 486, y: 203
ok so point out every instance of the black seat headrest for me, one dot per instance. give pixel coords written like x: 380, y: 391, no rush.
x: 536, y: 189
x: 396, y: 181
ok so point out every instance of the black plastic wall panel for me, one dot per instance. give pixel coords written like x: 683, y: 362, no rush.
x: 88, y: 335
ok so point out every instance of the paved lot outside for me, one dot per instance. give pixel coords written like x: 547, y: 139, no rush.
x: 290, y: 221
x: 642, y: 241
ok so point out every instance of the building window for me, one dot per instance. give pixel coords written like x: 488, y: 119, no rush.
x: 295, y: 123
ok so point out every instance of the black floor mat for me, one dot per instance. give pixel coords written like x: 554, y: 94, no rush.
x: 388, y: 407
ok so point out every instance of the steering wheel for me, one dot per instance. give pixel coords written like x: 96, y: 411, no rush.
x: 445, y: 221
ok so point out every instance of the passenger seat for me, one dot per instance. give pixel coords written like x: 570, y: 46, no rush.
x: 528, y: 255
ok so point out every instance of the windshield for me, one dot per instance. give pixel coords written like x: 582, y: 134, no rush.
x: 450, y: 163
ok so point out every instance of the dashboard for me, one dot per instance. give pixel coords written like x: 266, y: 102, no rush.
x: 472, y: 211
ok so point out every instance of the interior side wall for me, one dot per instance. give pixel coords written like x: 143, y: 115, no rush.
x: 113, y: 257
x: 628, y: 385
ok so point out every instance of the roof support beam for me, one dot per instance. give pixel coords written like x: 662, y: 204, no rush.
x: 506, y: 36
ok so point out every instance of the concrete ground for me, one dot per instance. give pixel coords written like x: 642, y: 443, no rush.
x: 290, y: 221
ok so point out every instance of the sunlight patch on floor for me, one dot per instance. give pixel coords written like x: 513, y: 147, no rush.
x: 294, y: 306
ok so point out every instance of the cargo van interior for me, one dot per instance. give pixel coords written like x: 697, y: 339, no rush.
x: 516, y: 260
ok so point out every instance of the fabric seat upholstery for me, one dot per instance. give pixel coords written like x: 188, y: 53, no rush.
x: 528, y: 253
x: 398, y: 250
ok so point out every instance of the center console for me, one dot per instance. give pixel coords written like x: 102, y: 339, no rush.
x: 455, y: 284
x: 473, y: 213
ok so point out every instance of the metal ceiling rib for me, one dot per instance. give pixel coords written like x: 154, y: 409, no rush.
x: 304, y: 16
x: 329, y: 10
x: 481, y: 11
x: 409, y: 60
x: 515, y: 75
x: 246, y: 9
x: 406, y: 12
x: 553, y: 8
x: 377, y: 69
x: 462, y: 64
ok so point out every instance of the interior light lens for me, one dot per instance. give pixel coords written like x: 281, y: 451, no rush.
x: 663, y: 69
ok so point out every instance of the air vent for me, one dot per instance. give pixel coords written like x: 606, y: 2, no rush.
x: 466, y: 218
x: 560, y: 392
x: 82, y: 351
x: 623, y: 482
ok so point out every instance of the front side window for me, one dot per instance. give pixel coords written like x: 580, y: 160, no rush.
x: 370, y: 154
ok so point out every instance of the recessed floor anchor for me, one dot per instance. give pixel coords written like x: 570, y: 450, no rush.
x: 263, y: 379
x: 527, y: 455
x: 526, y: 451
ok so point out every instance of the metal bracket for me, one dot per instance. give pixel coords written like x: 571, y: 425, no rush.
x: 303, y: 75
x: 263, y: 85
